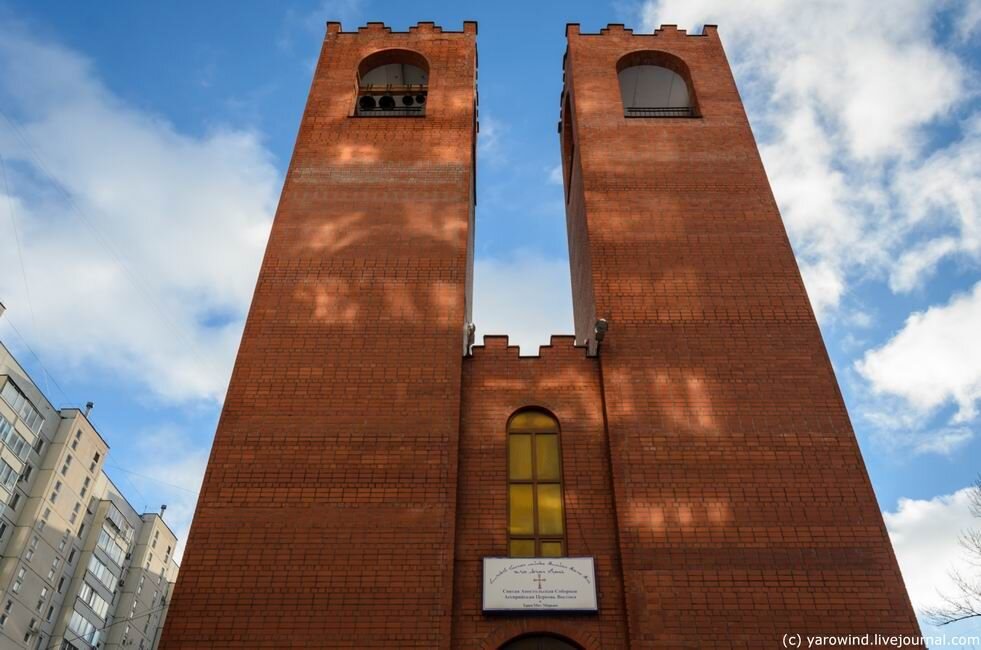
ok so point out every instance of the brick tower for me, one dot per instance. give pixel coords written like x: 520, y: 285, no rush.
x: 692, y: 480
x: 744, y: 508
x: 327, y: 511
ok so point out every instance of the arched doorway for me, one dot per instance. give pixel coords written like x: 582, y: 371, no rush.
x: 539, y: 642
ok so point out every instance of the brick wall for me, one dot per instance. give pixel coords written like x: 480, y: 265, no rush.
x: 745, y: 510
x: 496, y: 383
x: 327, y: 512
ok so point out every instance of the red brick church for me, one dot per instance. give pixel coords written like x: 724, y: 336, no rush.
x: 680, y: 474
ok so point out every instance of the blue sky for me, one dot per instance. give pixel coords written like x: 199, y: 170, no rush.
x: 145, y: 144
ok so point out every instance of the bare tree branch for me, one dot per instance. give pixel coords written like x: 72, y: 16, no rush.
x: 965, y: 601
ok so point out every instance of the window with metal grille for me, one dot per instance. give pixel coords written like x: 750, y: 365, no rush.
x: 393, y: 83
x: 653, y: 91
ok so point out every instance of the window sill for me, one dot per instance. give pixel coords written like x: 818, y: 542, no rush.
x: 686, y: 113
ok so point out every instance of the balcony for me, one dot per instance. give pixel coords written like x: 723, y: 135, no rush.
x: 392, y: 101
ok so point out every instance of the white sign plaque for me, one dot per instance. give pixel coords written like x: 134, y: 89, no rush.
x: 537, y: 584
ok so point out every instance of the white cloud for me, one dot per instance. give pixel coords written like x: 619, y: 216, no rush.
x: 925, y: 535
x: 555, y: 175
x: 151, y: 274
x: 171, y: 468
x: 944, y: 442
x: 843, y: 109
x: 526, y: 296
x: 943, y: 197
x: 824, y: 286
x: 970, y: 19
x: 490, y: 140
x: 935, y: 359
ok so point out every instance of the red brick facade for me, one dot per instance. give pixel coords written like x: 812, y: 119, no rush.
x: 744, y: 508
x: 359, y: 471
x: 327, y: 512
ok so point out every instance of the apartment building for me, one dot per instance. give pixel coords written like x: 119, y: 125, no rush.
x: 81, y: 568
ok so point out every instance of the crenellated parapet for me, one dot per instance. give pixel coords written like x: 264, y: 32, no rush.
x: 619, y: 30
x: 423, y: 27
x: 498, y: 346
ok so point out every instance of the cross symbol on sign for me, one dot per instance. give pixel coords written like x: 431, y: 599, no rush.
x: 539, y: 580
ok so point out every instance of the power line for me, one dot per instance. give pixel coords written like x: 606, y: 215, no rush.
x: 150, y: 478
x: 139, y: 283
x: 76, y: 636
x: 20, y: 252
x: 6, y: 318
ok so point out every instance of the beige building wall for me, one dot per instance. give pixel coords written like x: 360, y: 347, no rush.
x: 80, y: 567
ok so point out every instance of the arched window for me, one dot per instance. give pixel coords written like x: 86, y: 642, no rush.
x: 393, y: 83
x: 536, y: 517
x: 539, y: 642
x: 654, y: 84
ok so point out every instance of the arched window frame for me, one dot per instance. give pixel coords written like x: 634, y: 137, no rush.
x: 538, y: 537
x: 387, y: 57
x: 663, y: 60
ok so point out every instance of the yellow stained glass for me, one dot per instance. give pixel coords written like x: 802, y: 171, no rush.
x: 522, y: 548
x: 533, y: 421
x: 519, y: 457
x: 551, y: 549
x: 547, y: 457
x: 522, y: 510
x: 549, y: 509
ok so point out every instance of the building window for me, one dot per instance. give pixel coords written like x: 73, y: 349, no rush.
x: 78, y: 438
x: 68, y: 463
x: 83, y: 629
x: 102, y: 573
x: 14, y: 440
x: 8, y: 475
x: 95, y: 462
x: 19, y: 581
x: 654, y: 84
x: 536, y: 518
x: 97, y: 603
x: 106, y: 542
x: 392, y: 83
x: 23, y: 407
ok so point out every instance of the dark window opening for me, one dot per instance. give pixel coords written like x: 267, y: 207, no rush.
x: 392, y: 83
x: 568, y: 147
x: 539, y: 643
